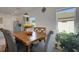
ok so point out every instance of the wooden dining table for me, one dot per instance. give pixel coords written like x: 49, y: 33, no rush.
x: 28, y: 38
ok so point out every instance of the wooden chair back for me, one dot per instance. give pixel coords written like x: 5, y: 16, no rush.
x: 11, y: 43
x: 47, y: 41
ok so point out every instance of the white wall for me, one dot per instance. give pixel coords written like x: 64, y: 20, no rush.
x: 77, y: 20
x: 7, y: 21
x: 48, y: 20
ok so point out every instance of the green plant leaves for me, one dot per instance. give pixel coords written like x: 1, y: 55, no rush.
x: 69, y: 41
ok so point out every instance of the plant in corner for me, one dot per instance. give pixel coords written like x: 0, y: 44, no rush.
x: 69, y: 41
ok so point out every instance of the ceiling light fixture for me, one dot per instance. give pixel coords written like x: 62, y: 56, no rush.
x: 43, y: 9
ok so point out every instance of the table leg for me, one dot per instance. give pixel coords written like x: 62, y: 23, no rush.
x: 29, y: 48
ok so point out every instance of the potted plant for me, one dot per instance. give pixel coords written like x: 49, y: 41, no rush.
x: 69, y: 41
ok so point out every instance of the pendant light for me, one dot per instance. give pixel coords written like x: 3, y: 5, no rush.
x: 44, y: 9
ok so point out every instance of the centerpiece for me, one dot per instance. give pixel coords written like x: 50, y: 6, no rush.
x: 27, y: 25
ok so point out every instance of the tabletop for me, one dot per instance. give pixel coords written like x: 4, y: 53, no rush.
x: 28, y: 39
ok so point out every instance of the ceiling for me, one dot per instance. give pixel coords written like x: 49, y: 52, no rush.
x: 16, y: 10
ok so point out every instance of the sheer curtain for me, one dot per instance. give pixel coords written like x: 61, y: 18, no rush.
x: 66, y: 26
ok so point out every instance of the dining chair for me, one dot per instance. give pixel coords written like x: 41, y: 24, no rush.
x: 11, y: 43
x: 2, y: 42
x: 42, y: 47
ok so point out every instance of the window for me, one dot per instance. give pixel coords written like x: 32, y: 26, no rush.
x: 33, y: 21
x: 65, y: 19
x: 66, y: 26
